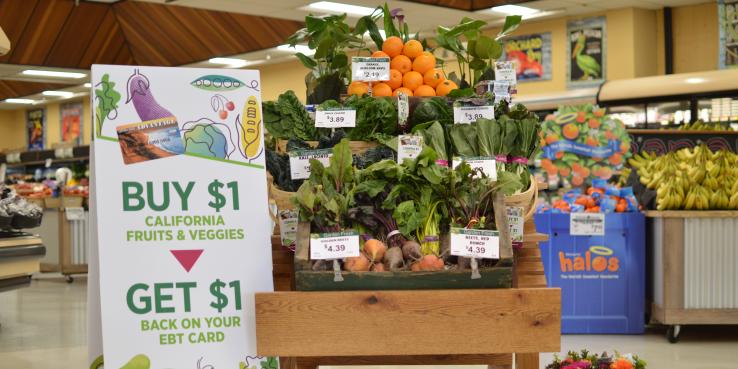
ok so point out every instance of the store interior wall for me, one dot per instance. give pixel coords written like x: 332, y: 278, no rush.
x: 635, y: 48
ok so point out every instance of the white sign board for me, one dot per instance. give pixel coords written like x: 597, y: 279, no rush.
x: 470, y: 114
x: 475, y: 243
x: 182, y: 224
x: 338, y: 118
x: 331, y: 246
x: 587, y: 224
x: 370, y: 69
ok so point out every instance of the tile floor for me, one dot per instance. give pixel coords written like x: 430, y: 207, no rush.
x: 44, y: 327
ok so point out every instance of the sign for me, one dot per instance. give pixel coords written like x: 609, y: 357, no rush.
x: 505, y: 72
x: 516, y: 221
x: 300, y: 161
x: 501, y: 90
x: 531, y: 54
x: 487, y: 164
x: 408, y: 147
x: 475, y: 243
x: 288, y: 220
x: 70, y: 116
x: 338, y: 118
x: 331, y: 246
x: 728, y: 22
x: 370, y: 69
x: 179, y: 210
x: 470, y: 114
x: 36, y: 128
x: 403, y: 109
x: 587, y: 224
x: 586, y: 52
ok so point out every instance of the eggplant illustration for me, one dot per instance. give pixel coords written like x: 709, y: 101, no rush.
x: 139, y: 92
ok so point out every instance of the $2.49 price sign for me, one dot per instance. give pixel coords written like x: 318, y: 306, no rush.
x: 335, y: 118
x: 587, y: 224
x: 470, y: 114
x: 475, y: 243
x: 338, y: 245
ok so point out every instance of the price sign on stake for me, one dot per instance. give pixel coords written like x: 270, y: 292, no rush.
x: 487, y: 164
x: 475, y: 243
x: 331, y: 246
x: 300, y: 161
x: 470, y: 114
x: 370, y: 69
x: 587, y: 224
x: 516, y: 222
x: 335, y: 118
x: 408, y: 147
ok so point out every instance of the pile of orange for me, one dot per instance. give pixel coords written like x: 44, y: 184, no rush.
x: 413, y: 72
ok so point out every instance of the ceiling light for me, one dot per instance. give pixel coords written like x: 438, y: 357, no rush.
x: 231, y: 62
x: 51, y: 73
x: 20, y: 101
x: 87, y: 85
x: 296, y: 49
x: 514, y: 10
x: 58, y: 93
x: 695, y: 80
x: 340, y: 8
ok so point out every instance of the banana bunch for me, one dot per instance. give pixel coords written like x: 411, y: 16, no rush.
x: 702, y: 126
x: 690, y: 179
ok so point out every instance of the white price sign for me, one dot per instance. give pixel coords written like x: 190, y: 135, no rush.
x: 475, y: 243
x: 335, y: 118
x: 403, y: 109
x: 329, y: 246
x: 408, y: 147
x: 587, y: 224
x: 516, y: 221
x: 507, y: 72
x: 470, y: 114
x: 300, y: 161
x: 288, y: 220
x: 487, y: 164
x: 370, y: 69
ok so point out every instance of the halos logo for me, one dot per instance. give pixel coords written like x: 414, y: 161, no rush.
x: 603, y: 261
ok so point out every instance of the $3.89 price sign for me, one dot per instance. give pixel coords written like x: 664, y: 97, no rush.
x: 335, y: 118
x: 177, y: 297
x: 339, y: 245
x: 470, y: 114
x: 587, y: 224
x: 475, y: 243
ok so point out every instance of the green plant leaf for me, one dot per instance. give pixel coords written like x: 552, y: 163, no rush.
x: 466, y: 25
x: 306, y: 60
x: 325, y: 48
x: 314, y: 24
x: 477, y: 64
x: 339, y: 61
x: 484, y: 47
x: 512, y: 22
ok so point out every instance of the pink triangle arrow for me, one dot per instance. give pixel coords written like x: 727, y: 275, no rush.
x: 186, y: 258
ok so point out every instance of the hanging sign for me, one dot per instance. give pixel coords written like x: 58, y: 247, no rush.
x: 531, y: 55
x: 586, y: 54
x: 180, y: 208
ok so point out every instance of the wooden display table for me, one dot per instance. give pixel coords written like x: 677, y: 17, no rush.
x: 418, y: 327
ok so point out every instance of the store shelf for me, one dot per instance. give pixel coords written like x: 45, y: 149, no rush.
x: 679, y: 132
x: 691, y: 213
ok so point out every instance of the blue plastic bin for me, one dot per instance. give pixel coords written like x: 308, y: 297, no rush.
x: 602, y: 278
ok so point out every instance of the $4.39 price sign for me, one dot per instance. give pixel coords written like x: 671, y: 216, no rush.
x: 370, y: 69
x: 587, y: 224
x: 470, y: 114
x: 335, y: 118
x: 475, y: 243
x: 338, y: 245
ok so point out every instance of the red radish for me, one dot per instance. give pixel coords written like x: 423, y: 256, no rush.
x: 230, y: 105
x: 223, y: 114
x: 375, y: 249
x: 415, y: 267
x: 378, y: 268
x: 430, y: 263
x: 357, y: 264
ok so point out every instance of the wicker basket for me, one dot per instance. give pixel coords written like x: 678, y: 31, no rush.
x: 526, y: 199
x: 357, y: 147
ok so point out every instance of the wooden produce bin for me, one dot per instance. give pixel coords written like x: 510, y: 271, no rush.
x: 694, y: 266
x: 417, y: 327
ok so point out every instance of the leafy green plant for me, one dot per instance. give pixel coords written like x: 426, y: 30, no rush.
x: 107, y: 99
x: 476, y: 58
x: 368, y: 23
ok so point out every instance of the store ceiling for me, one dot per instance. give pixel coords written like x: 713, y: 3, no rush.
x: 62, y: 36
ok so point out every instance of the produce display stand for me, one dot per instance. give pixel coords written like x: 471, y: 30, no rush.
x: 694, y: 264
x: 61, y: 235
x: 415, y: 327
x: 20, y: 256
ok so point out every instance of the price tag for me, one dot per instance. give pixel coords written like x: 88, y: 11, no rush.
x: 487, y: 164
x: 339, y: 245
x: 370, y: 69
x: 475, y: 243
x: 470, y: 114
x: 506, y: 71
x: 403, y: 109
x: 408, y: 147
x: 76, y: 213
x: 501, y: 90
x: 288, y: 220
x: 587, y: 224
x: 516, y: 221
x: 300, y: 161
x: 335, y: 118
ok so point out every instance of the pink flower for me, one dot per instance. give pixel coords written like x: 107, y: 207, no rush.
x: 582, y: 364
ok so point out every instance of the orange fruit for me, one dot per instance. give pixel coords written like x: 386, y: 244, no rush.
x: 616, y: 159
x: 424, y: 90
x: 403, y: 90
x: 433, y: 77
x: 445, y: 87
x: 380, y: 54
x: 424, y: 62
x: 571, y: 131
x: 395, y: 79
x: 392, y: 46
x: 412, y: 80
x: 402, y: 63
x: 381, y: 89
x: 412, y: 49
x: 358, y: 88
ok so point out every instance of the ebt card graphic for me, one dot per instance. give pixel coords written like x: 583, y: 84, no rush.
x: 149, y: 140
